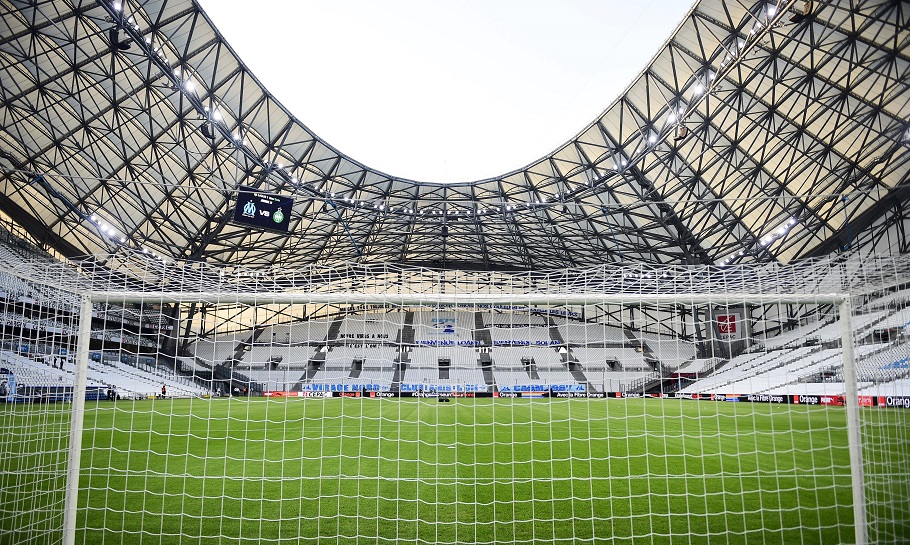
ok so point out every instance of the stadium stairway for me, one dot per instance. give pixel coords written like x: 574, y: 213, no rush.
x: 199, y: 362
x: 334, y: 329
x: 531, y: 369
x: 649, y: 356
x: 401, y: 362
x: 400, y: 368
x: 240, y: 349
x: 314, y: 363
x: 555, y: 335
x: 578, y: 374
x: 648, y: 383
x: 356, y: 369
x: 574, y: 368
x: 298, y: 386
x: 407, y: 330
x: 481, y: 334
x: 206, y: 377
x: 486, y: 367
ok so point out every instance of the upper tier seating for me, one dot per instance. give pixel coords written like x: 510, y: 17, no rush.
x: 629, y: 359
x: 372, y: 327
x: 587, y: 333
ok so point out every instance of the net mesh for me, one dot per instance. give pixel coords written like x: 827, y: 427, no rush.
x: 380, y: 404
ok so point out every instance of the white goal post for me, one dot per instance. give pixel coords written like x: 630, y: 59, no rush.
x: 842, y: 301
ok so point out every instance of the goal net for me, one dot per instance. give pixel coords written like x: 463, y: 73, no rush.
x: 742, y: 404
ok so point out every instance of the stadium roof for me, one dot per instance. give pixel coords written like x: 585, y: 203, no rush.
x: 759, y: 132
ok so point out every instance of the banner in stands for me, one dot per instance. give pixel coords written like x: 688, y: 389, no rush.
x: 729, y: 326
x: 538, y: 342
x: 343, y: 387
x: 7, y: 385
x: 472, y: 342
x: 363, y: 336
x: 525, y: 388
x: 438, y: 394
x: 444, y: 326
x: 429, y: 387
x: 448, y: 342
x: 567, y: 387
x: 515, y: 308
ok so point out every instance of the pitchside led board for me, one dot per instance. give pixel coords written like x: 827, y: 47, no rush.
x: 263, y: 210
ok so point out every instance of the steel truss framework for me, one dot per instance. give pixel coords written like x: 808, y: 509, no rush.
x: 757, y: 133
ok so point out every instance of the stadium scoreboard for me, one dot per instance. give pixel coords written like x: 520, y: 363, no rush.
x: 261, y: 209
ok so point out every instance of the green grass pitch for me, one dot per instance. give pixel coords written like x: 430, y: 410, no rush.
x: 414, y: 470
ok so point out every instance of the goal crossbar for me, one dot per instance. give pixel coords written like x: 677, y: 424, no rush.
x: 415, y: 298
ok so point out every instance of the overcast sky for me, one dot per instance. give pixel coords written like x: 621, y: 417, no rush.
x: 446, y: 90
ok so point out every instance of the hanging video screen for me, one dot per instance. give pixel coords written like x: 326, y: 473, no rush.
x: 264, y: 210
